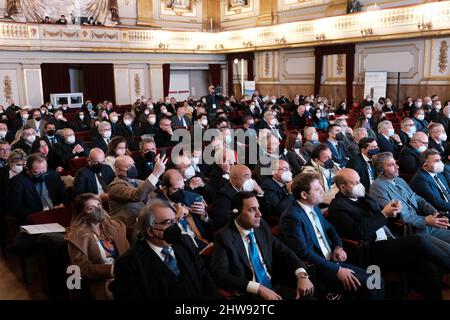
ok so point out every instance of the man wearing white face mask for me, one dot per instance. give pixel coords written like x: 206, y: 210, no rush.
x: 71, y: 147
x: 104, y: 136
x: 312, y: 139
x: 149, y: 126
x: 438, y: 137
x: 429, y: 182
x: 419, y: 120
x: 435, y: 111
x: 407, y: 130
x: 409, y: 159
x: 387, y: 140
x: 277, y: 191
x: 240, y: 180
x: 26, y: 139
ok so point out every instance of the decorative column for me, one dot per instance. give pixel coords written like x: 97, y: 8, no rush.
x: 145, y: 13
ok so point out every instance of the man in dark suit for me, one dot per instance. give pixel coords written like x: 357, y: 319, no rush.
x: 71, y: 147
x: 240, y: 180
x: 5, y: 151
x: 363, y: 162
x: 271, y: 123
x: 407, y: 129
x: 253, y: 110
x: 27, y: 138
x: 353, y: 6
x: 163, y: 138
x: 162, y: 264
x: 419, y: 120
x: 359, y: 217
x: 409, y: 159
x: 50, y: 136
x: 299, y: 118
x: 145, y: 160
x: 277, y: 191
x: 104, y: 136
x: 5, y: 134
x: 128, y: 129
x: 35, y: 189
x: 387, y: 140
x: 95, y: 177
x: 212, y: 101
x: 438, y: 137
x: 304, y: 229
x: 334, y: 142
x: 181, y: 120
x: 444, y: 119
x: 248, y: 258
x: 429, y: 182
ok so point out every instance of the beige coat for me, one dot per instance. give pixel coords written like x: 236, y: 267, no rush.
x: 331, y: 193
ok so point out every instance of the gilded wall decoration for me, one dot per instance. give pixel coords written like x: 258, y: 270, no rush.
x: 443, y: 55
x: 340, y: 64
x: 137, y: 85
x: 7, y: 88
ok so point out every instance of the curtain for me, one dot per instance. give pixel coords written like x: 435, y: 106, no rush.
x: 55, y: 79
x: 349, y: 51
x: 214, y: 74
x: 250, y: 57
x: 166, y: 78
x: 98, y: 82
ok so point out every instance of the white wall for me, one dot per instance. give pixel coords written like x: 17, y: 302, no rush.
x: 127, y: 12
x: 12, y: 75
x: 199, y: 83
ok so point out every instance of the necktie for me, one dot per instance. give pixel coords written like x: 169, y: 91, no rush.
x: 441, y: 187
x: 258, y: 268
x: 171, y: 262
x: 318, y: 226
x: 184, y: 223
x: 102, y: 182
x: 53, y: 140
x: 388, y: 232
x: 371, y: 171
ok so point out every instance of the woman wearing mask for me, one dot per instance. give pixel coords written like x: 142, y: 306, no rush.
x: 296, y: 156
x: 53, y: 161
x: 82, y: 122
x: 95, y: 241
x: 320, y: 120
x: 118, y: 146
x: 149, y: 126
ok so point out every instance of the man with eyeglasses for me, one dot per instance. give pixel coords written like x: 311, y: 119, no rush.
x: 409, y: 159
x: 5, y: 134
x: 407, y: 130
x: 5, y: 150
x: 128, y: 195
x: 162, y: 264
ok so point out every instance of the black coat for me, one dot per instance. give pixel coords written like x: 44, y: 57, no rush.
x: 222, y: 206
x: 140, y: 274
x: 298, y: 121
x: 277, y: 198
x: 99, y: 142
x: 361, y: 166
x: 404, y: 137
x: 64, y: 151
x: 24, y: 198
x: 438, y: 146
x: 295, y: 162
x: 85, y: 180
x: 21, y: 144
x: 387, y: 145
x: 143, y: 167
x: 409, y: 160
x: 163, y: 139
x: 230, y: 266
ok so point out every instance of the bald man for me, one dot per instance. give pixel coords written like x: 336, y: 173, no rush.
x: 128, y: 195
x: 95, y: 177
x: 409, y: 158
x: 240, y: 180
x: 357, y: 216
x: 71, y: 147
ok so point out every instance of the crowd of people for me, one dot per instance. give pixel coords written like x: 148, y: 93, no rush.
x: 257, y: 197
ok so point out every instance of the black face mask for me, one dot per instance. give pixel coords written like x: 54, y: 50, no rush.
x: 51, y: 133
x: 150, y: 156
x: 297, y: 144
x: 177, y: 196
x: 172, y: 234
x: 339, y: 136
x: 97, y: 168
x: 38, y: 178
x: 132, y: 172
x: 38, y: 118
x: 329, y: 164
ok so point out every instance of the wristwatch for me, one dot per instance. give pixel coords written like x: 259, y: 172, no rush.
x: 303, y: 275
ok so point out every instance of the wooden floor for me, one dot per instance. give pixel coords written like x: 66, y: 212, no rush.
x: 13, y: 288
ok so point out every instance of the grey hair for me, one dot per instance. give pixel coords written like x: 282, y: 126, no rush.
x: 340, y: 122
x: 357, y: 131
x: 405, y: 120
x: 103, y: 124
x: 379, y: 159
x: 383, y: 125
x: 146, y: 218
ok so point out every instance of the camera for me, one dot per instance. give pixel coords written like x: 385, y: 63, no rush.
x: 218, y: 89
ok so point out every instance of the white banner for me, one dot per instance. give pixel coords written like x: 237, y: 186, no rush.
x: 375, y: 84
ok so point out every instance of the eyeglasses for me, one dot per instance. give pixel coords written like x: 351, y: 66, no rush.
x: 167, y: 222
x: 5, y: 149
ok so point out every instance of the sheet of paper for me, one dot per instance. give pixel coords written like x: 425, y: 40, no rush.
x: 43, y: 228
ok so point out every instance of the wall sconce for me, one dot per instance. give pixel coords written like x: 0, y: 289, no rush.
x: 422, y: 26
x: 366, y: 31
x: 281, y: 40
x: 321, y: 37
x: 163, y: 45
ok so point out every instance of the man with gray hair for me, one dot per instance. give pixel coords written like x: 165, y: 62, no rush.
x: 407, y: 129
x: 415, y: 210
x: 162, y: 263
x: 104, y: 136
x: 387, y: 140
x: 443, y: 118
x: 353, y: 148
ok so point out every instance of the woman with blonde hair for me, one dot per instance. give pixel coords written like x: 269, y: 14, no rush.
x: 95, y: 241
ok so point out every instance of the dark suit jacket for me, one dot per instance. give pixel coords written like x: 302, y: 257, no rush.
x: 421, y: 125
x: 297, y: 232
x: 438, y: 146
x: 387, y: 145
x: 277, y: 198
x: 298, y: 121
x: 99, y: 142
x: 176, y: 122
x: 140, y: 274
x: 143, y: 167
x: 353, y: 149
x: 404, y: 137
x: 361, y: 166
x: 4, y: 189
x: 147, y: 128
x: 340, y: 154
x: 24, y: 198
x: 256, y: 112
x: 85, y: 180
x: 49, y: 143
x: 163, y: 139
x: 441, y: 118
x: 230, y: 266
x: 222, y: 206
x: 9, y: 136
x: 409, y: 160
x: 21, y: 144
x: 425, y: 186
x: 295, y: 162
x: 64, y: 150
x: 356, y: 220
